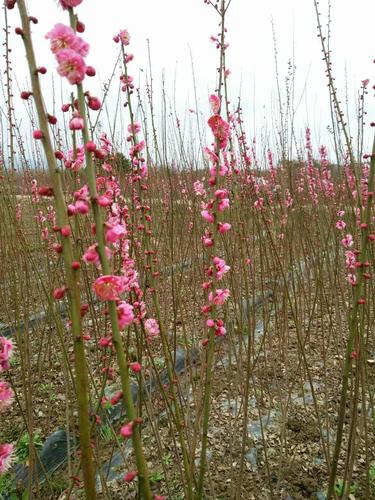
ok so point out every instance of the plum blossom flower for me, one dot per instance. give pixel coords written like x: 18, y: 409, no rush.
x: 207, y: 216
x: 124, y: 37
x: 5, y: 457
x: 220, y: 129
x: 109, y: 287
x: 350, y: 259
x: 348, y: 241
x: 126, y: 431
x: 352, y: 279
x: 199, y: 188
x: 115, y: 232
x: 152, y: 327
x: 219, y: 297
x: 214, y: 101
x: 125, y: 314
x: 223, y: 227
x: 6, y: 395
x: 64, y: 37
x: 66, y: 4
x: 221, y: 267
x: 71, y: 65
x: 340, y: 224
x: 6, y: 350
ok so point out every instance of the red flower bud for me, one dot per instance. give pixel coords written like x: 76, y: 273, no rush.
x: 91, y: 147
x: 80, y: 27
x: 37, y: 134
x: 45, y: 191
x: 25, y: 95
x: 90, y: 71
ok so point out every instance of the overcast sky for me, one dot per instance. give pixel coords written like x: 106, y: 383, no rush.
x: 177, y: 27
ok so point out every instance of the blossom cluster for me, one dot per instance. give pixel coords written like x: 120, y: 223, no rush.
x: 6, y: 397
x: 70, y: 51
x: 212, y: 210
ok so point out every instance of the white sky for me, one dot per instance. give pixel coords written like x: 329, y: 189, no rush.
x: 176, y: 26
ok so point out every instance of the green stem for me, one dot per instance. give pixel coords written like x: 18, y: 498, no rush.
x: 353, y: 326
x: 82, y: 386
x: 143, y: 475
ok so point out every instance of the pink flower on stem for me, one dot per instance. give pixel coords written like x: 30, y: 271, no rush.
x: 352, y: 279
x: 114, y: 233
x: 199, y: 188
x: 340, y: 224
x: 214, y: 101
x: 109, y: 287
x: 5, y: 457
x: 347, y: 242
x: 130, y: 476
x: 219, y: 297
x: 207, y: 216
x: 66, y: 4
x: 221, y: 267
x: 152, y: 327
x: 350, y: 259
x: 63, y: 37
x: 124, y: 37
x: 223, y: 227
x: 71, y: 65
x: 126, y: 431
x: 135, y: 367
x: 91, y: 256
x: 76, y: 122
x: 6, y: 395
x: 220, y: 129
x: 6, y: 350
x: 125, y: 314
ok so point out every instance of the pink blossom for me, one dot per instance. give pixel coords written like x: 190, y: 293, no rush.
x: 109, y: 287
x: 219, y: 297
x: 76, y: 122
x: 66, y: 4
x: 214, y: 101
x: 207, y: 216
x: 223, y: 204
x: 124, y: 37
x: 63, y: 37
x: 126, y: 431
x: 350, y: 259
x: 6, y: 349
x: 129, y: 476
x: 152, y: 327
x: 221, y: 267
x: 125, y: 314
x: 352, y: 279
x: 114, y: 233
x: 71, y: 65
x: 220, y: 129
x: 199, y: 188
x: 340, y: 224
x: 91, y: 256
x: 347, y: 242
x: 207, y: 242
x: 135, y: 367
x: 82, y: 207
x: 104, y: 201
x: 135, y: 128
x: 5, y: 457
x: 223, y: 227
x: 6, y: 395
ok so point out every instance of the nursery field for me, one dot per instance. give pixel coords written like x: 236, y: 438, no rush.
x: 185, y: 313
